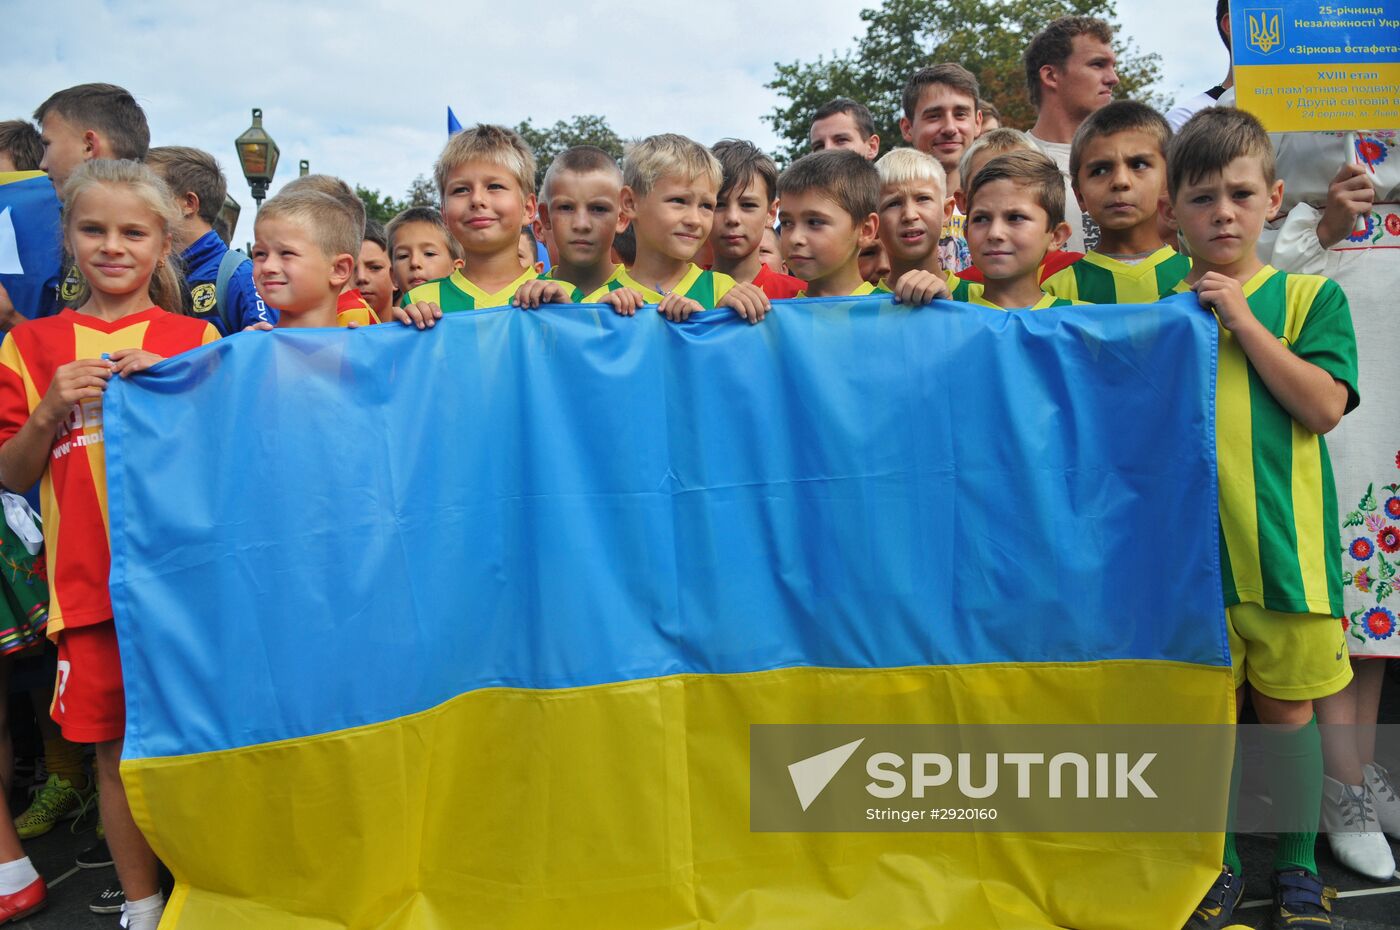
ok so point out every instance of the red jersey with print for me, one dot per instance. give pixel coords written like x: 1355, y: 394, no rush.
x: 776, y: 285
x: 73, y: 490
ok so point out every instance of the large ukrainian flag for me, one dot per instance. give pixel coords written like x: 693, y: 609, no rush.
x: 466, y: 628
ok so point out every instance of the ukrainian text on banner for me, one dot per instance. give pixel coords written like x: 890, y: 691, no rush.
x: 470, y: 626
x: 1307, y: 65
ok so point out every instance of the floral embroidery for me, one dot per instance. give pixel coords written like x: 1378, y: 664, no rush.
x: 1370, y: 152
x: 1372, y: 537
x: 1392, y: 223
x: 1378, y: 623
x: 1365, y: 234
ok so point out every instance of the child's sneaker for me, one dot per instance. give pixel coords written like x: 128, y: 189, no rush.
x: 1301, y: 901
x: 110, y: 900
x: 57, y: 800
x: 96, y: 856
x: 1218, y: 906
x: 1387, y: 801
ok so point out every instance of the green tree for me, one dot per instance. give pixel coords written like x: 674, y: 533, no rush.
x: 378, y: 206
x: 422, y: 192
x: 581, y: 130
x: 902, y: 36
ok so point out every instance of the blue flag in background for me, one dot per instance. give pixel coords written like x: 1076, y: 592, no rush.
x: 31, y: 255
x: 453, y: 126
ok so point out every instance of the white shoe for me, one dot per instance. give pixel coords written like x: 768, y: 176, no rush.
x: 1353, y: 832
x: 1387, y: 801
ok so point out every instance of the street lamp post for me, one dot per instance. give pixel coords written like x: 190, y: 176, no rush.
x: 257, y: 154
x: 305, y: 167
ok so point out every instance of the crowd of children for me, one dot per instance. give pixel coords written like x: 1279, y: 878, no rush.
x: 967, y: 212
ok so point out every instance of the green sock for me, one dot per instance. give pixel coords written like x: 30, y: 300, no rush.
x: 1294, y: 772
x: 1232, y: 855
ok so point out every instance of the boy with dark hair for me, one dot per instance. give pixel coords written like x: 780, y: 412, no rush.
x: 1119, y: 166
x: 991, y: 116
x: 844, y: 123
x: 90, y: 121
x: 1069, y: 74
x: 745, y: 208
x: 420, y: 248
x: 942, y: 119
x: 220, y: 280
x: 20, y: 146
x: 81, y: 123
x: 1015, y: 215
x: 827, y: 211
x: 373, y: 277
x: 1286, y: 375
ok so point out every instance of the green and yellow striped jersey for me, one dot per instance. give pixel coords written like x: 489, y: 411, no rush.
x: 1044, y: 303
x: 1280, y: 543
x: 1098, y: 279
x: 864, y: 290
x: 706, y: 288
x: 966, y: 291
x: 578, y: 296
x: 455, y: 293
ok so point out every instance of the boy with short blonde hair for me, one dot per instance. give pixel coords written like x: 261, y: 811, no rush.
x: 304, y: 252
x: 1118, y: 169
x: 581, y: 211
x: 486, y: 179
x: 912, y: 207
x: 670, y: 186
x: 352, y: 307
x: 1286, y: 374
x: 1016, y: 214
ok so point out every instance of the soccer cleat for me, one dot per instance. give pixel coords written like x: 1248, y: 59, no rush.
x: 1301, y: 901
x: 57, y: 800
x: 1218, y: 906
x: 26, y: 901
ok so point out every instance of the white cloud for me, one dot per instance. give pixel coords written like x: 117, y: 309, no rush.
x: 360, y: 87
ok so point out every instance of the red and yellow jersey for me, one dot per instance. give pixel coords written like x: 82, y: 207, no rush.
x: 73, y: 491
x: 351, y: 307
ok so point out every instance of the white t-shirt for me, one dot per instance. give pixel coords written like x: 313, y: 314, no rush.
x: 1083, y: 231
x: 1215, y: 97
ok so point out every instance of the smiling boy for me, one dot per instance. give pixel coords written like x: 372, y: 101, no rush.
x: 1015, y: 215
x: 304, y: 251
x: 942, y: 119
x: 486, y: 178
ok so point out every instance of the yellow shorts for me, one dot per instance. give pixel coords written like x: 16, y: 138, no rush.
x: 1290, y: 657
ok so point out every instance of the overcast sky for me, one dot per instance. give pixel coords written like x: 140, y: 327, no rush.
x: 360, y: 87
